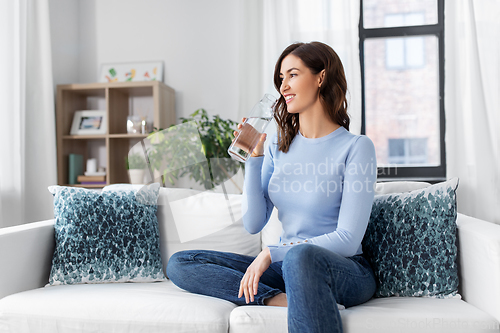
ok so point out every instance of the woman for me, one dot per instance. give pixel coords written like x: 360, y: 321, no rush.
x: 320, y: 177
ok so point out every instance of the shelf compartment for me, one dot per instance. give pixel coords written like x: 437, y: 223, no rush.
x: 118, y: 106
x: 117, y: 154
x: 81, y: 147
x: 72, y: 147
x: 76, y: 100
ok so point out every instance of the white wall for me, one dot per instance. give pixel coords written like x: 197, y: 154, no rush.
x: 196, y: 39
x: 65, y: 42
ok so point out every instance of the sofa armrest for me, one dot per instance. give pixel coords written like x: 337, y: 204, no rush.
x: 25, y: 256
x: 479, y: 263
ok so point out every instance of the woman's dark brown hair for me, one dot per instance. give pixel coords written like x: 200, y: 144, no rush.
x: 316, y: 56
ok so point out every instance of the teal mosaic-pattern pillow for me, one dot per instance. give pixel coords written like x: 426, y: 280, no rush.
x: 410, y: 242
x: 105, y: 237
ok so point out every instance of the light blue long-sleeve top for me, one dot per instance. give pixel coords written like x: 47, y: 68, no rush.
x: 323, y: 189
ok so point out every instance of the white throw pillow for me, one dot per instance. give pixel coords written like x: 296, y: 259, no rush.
x: 399, y: 187
x: 202, y: 220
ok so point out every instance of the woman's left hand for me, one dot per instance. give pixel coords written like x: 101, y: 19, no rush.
x: 250, y: 281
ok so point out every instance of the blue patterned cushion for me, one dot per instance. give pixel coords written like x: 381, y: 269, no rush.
x: 105, y: 237
x: 410, y: 242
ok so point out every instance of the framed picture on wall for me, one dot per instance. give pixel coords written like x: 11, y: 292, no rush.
x: 132, y: 72
x: 89, y: 122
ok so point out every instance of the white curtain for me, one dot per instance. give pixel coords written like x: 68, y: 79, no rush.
x: 472, y: 104
x: 27, y: 149
x: 284, y: 22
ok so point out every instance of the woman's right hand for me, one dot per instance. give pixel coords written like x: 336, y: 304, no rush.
x: 259, y: 149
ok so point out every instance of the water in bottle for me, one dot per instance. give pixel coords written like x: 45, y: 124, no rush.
x: 252, y: 128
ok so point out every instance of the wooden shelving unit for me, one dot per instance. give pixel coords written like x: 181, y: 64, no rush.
x: 115, y: 98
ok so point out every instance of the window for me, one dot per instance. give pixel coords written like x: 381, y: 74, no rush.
x: 403, y: 53
x: 408, y: 151
x: 402, y: 68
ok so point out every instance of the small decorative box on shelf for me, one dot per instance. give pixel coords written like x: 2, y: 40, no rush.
x: 92, y: 180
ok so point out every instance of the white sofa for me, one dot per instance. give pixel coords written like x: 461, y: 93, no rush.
x: 27, y: 305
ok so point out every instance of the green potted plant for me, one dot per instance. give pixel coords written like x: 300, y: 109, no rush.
x: 197, y: 148
x: 136, y: 165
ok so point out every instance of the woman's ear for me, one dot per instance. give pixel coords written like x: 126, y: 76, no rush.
x: 321, y: 77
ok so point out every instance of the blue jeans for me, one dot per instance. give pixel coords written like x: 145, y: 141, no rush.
x: 314, y: 279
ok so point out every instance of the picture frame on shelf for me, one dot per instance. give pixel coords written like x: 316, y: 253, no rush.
x: 91, y: 122
x: 131, y: 72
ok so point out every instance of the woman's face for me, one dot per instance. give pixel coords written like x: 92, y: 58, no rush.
x: 299, y: 86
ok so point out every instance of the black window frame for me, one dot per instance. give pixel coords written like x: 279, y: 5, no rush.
x: 418, y: 173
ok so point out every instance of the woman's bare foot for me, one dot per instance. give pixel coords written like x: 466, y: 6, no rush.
x: 278, y: 300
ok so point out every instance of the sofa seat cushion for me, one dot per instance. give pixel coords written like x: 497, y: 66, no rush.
x: 256, y: 318
x: 380, y: 315
x: 114, y: 307
x: 417, y: 315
